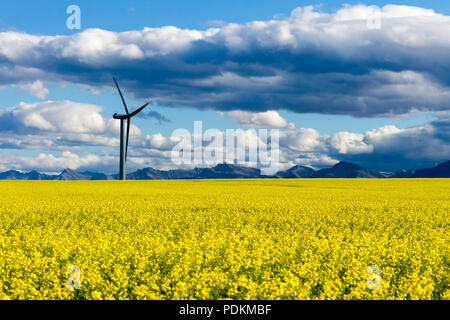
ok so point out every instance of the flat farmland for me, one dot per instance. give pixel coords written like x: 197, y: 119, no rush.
x: 225, y: 239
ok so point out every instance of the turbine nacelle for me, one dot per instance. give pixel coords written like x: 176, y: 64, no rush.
x: 121, y: 116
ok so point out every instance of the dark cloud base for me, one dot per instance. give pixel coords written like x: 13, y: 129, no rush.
x: 308, y: 62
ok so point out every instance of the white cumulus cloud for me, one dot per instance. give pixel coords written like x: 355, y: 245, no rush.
x: 35, y: 88
x: 268, y: 119
x: 308, y: 62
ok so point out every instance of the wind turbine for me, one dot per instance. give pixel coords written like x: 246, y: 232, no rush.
x: 124, y: 136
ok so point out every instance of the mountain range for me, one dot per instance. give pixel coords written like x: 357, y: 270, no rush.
x: 229, y: 171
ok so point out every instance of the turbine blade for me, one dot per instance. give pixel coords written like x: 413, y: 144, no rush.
x: 123, y: 100
x: 128, y: 136
x: 138, y: 110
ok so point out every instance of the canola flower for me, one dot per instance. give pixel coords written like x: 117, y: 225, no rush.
x: 225, y: 239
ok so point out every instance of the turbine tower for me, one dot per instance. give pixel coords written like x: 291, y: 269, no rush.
x: 124, y: 136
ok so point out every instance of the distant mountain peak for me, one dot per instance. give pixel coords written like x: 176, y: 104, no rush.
x: 297, y: 172
x: 442, y: 170
x: 225, y: 166
x: 347, y: 170
x: 230, y: 171
x: 70, y: 174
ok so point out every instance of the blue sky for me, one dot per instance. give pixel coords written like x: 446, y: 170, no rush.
x: 331, y: 113
x: 47, y: 16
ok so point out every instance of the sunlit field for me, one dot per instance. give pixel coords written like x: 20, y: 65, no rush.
x: 225, y: 239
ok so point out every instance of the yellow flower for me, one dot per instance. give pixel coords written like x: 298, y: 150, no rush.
x: 225, y: 239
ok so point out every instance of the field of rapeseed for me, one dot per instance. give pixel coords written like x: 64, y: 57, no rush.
x: 225, y: 239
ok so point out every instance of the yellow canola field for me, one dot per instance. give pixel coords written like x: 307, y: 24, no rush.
x: 225, y: 239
